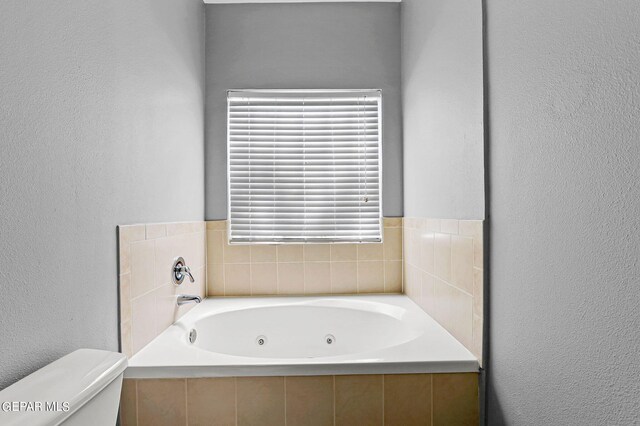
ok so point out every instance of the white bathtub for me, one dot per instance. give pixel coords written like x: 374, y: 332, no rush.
x: 302, y: 336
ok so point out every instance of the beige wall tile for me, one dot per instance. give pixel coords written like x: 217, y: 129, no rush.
x: 344, y: 277
x: 393, y: 276
x: 471, y: 228
x: 309, y: 401
x: 237, y: 253
x: 371, y: 277
x: 427, y: 299
x: 131, y: 233
x: 392, y: 222
x: 291, y: 278
x: 359, y: 400
x: 445, y: 283
x: 143, y: 324
x: 124, y: 258
x: 427, y: 252
x: 449, y: 226
x: 412, y: 282
x: 211, y: 401
x: 217, y: 225
x: 261, y: 401
x: 181, y: 228
x: 290, y: 253
x: 264, y: 278
x: 317, y: 252
x: 317, y: 400
x: 406, y: 250
x: 215, y: 280
x: 432, y: 225
x: 317, y: 278
x: 125, y: 297
x: 126, y: 345
x: 412, y: 246
x: 142, y: 267
x: 407, y: 399
x: 454, y: 310
x: 463, y: 318
x: 155, y: 230
x: 237, y: 279
x: 478, y: 257
x: 200, y: 286
x: 370, y: 251
x: 195, y: 249
x: 344, y: 252
x: 478, y: 292
x: 477, y: 338
x: 442, y: 301
x: 150, y: 306
x: 166, y: 310
x: 442, y: 256
x: 263, y: 253
x: 128, y: 403
x: 162, y: 402
x: 455, y: 399
x: 392, y: 246
x: 462, y: 263
x: 215, y: 246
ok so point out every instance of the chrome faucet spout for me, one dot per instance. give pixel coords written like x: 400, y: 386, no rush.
x: 183, y: 299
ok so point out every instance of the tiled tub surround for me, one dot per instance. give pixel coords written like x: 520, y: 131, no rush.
x: 296, y: 269
x: 443, y: 267
x: 147, y: 295
x: 148, y: 308
x: 403, y: 400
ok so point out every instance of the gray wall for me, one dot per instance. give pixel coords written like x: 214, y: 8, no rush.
x: 101, y: 123
x: 564, y: 94
x: 442, y: 97
x: 302, y: 46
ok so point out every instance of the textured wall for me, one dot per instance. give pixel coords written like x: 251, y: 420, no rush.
x: 101, y: 123
x: 442, y: 96
x: 302, y: 46
x: 564, y: 93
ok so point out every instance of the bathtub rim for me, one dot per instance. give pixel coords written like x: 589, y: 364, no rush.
x: 461, y: 360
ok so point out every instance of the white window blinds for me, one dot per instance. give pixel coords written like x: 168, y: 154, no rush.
x: 304, y: 166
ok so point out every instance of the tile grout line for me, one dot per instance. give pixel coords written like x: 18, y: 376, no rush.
x: 284, y: 378
x: 383, y: 385
x: 334, y: 400
x: 186, y: 401
x: 431, y: 399
x: 135, y: 382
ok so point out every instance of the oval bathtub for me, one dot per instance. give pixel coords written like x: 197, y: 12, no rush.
x: 302, y: 336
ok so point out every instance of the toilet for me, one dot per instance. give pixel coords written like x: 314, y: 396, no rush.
x: 82, y: 388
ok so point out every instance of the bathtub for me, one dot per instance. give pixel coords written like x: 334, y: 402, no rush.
x: 385, y: 334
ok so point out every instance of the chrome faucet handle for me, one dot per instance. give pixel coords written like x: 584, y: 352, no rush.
x: 185, y: 270
x: 180, y: 270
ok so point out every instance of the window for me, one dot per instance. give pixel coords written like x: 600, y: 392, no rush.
x: 304, y: 166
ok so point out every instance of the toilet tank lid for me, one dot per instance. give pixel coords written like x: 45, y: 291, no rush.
x: 75, y: 379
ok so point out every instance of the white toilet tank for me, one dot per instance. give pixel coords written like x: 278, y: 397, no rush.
x: 82, y: 388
